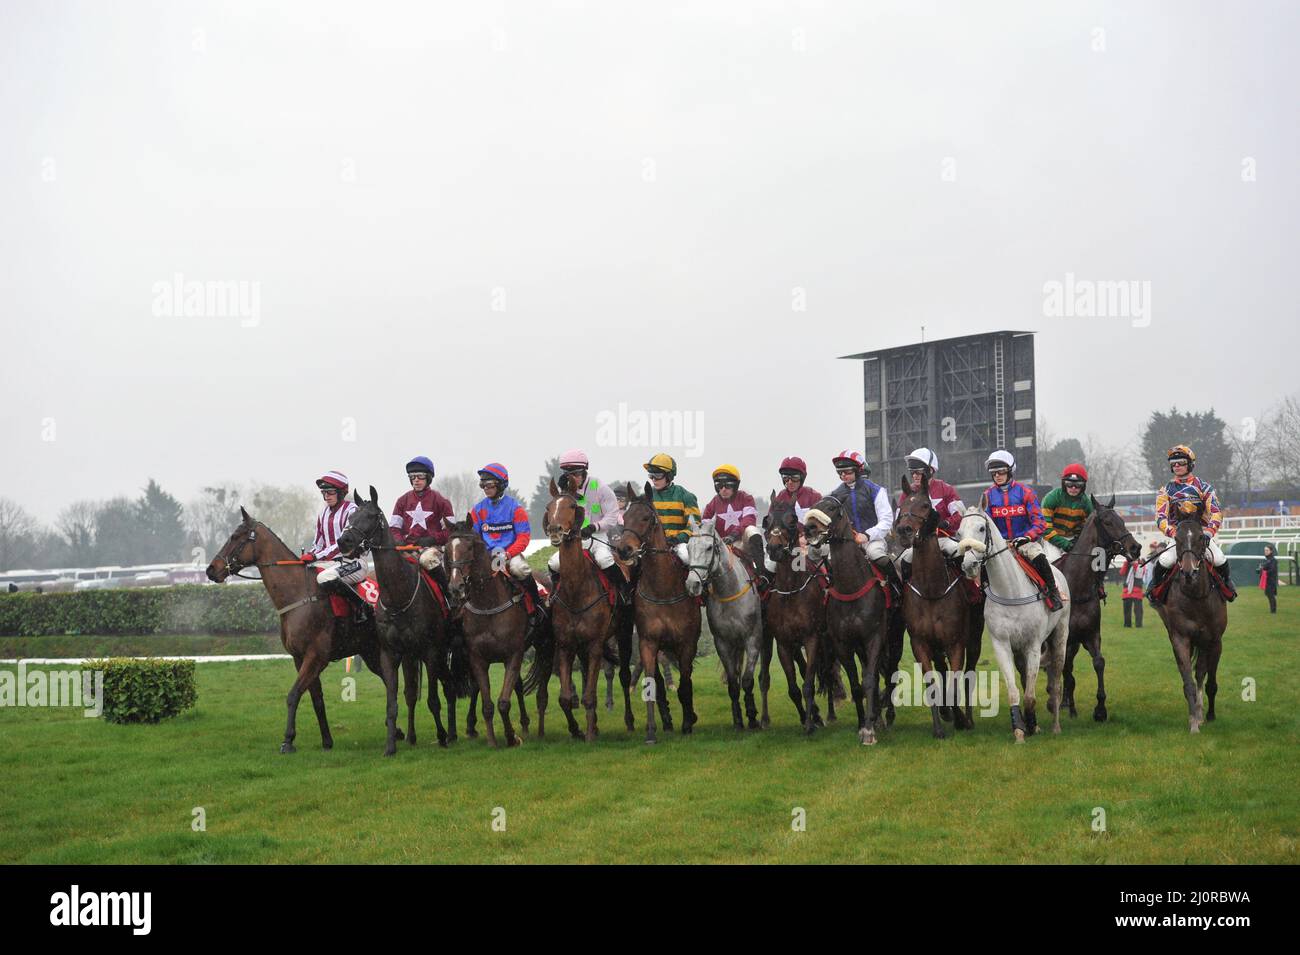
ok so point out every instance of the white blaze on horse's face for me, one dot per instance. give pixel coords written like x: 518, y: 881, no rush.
x: 700, y: 551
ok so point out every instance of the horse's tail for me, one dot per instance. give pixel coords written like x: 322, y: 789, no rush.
x: 826, y: 664
x: 456, y: 675
x: 543, y: 655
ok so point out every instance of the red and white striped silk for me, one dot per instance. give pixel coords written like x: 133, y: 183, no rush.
x: 329, y: 525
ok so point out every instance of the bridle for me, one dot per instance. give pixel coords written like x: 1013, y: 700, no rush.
x: 234, y: 564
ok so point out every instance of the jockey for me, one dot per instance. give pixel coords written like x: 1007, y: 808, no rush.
x: 1185, y: 486
x: 502, y: 521
x: 676, y: 506
x: 601, y: 513
x: 924, y: 464
x: 1014, y: 509
x: 330, y: 522
x: 1065, y: 508
x: 732, y: 510
x: 793, y: 490
x: 867, y: 504
x: 418, y: 515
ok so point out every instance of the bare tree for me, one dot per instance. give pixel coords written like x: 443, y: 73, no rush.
x: 461, y: 489
x: 76, y: 525
x: 1247, y: 443
x: 1110, y: 468
x: 18, y: 531
x: 1282, y: 443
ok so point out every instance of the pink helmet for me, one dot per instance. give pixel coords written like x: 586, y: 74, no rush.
x: 851, y: 459
x: 795, y: 465
x: 574, y: 458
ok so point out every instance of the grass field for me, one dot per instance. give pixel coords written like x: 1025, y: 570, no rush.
x: 78, y: 790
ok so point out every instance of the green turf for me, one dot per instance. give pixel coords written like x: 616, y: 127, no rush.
x: 79, y: 790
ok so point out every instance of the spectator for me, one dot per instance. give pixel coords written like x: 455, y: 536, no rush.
x: 1133, y: 578
x: 1268, y: 577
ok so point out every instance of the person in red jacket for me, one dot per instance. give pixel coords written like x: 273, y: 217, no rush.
x: 1132, y: 577
x: 924, y: 464
x: 418, y: 515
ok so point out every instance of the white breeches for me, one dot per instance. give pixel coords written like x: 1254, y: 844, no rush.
x: 947, y: 546
x: 348, y: 571
x: 519, y: 568
x: 1030, y: 550
x: 1170, y: 554
x: 875, y: 550
x: 598, y: 549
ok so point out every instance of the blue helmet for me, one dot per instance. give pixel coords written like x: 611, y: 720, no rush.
x: 418, y: 464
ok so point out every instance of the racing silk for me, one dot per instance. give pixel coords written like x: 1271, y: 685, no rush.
x: 1064, y: 516
x: 733, y: 516
x: 1015, y: 510
x: 329, y: 525
x: 945, y: 500
x: 804, y: 500
x: 599, y: 505
x: 1211, y: 516
x: 868, y: 506
x: 418, y: 517
x: 1131, y: 575
x: 676, y: 507
x: 502, y: 524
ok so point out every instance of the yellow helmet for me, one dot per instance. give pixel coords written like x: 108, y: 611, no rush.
x: 662, y: 462
x: 723, y: 471
x: 1181, y: 452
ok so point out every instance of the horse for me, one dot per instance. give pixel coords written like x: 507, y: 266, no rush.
x: 1195, y: 616
x: 666, y: 616
x: 1102, y: 536
x: 857, y: 613
x: 584, y: 611
x: 310, y: 632
x: 497, y: 629
x: 734, y: 613
x: 795, y: 619
x: 1017, y: 619
x: 936, y: 608
x: 414, y: 625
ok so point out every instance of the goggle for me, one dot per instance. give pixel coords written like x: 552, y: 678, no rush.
x: 572, y: 468
x: 726, y: 483
x: 655, y: 473
x: 412, y: 475
x: 846, y: 470
x: 1000, y: 472
x: 1074, y: 482
x: 1179, y: 461
x: 484, y: 485
x: 787, y: 478
x: 329, y: 490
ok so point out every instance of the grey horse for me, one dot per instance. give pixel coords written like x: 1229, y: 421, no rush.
x: 734, y: 612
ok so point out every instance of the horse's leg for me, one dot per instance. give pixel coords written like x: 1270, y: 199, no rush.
x: 1212, y: 654
x: 811, y: 648
x: 750, y: 661
x: 1068, y: 676
x: 731, y: 671
x: 291, y: 705
x: 565, y: 654
x: 686, y: 689
x: 894, y: 659
x: 1055, y: 665
x: 591, y: 686
x: 1182, y: 655
x: 858, y: 689
x: 388, y: 667
x: 433, y: 699
x: 471, y: 714
x: 765, y: 675
x: 318, y: 704
x: 608, y: 670
x: 661, y: 696
x: 1007, y: 667
x: 411, y: 684
x: 625, y: 676
x: 483, y: 686
x: 510, y: 684
x: 1033, y: 661
x: 930, y: 674
x: 519, y: 692
x: 1093, y: 646
x: 650, y: 677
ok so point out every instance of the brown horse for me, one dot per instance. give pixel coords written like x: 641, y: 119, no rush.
x: 856, y: 614
x: 666, y: 615
x: 413, y: 623
x: 497, y: 628
x: 795, y: 616
x: 1102, y: 537
x: 1195, y: 614
x: 938, y: 614
x: 583, y: 612
x: 310, y: 632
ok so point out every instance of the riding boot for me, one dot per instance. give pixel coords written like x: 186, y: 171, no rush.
x: 1224, y: 571
x: 906, y: 570
x: 1044, y: 569
x: 1157, y: 576
x: 891, y: 575
x: 555, y: 583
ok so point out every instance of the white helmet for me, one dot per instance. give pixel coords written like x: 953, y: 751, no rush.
x: 923, y: 457
x: 1001, y: 459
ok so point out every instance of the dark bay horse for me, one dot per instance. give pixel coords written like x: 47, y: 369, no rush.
x: 497, y: 628
x: 856, y: 614
x: 310, y: 632
x: 936, y: 609
x: 1102, y: 536
x: 414, y: 625
x: 666, y: 615
x: 1195, y: 615
x: 795, y: 615
x: 583, y: 612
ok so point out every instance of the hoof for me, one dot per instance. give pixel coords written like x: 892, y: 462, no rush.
x: 755, y: 725
x: 286, y: 748
x: 442, y: 743
x: 1056, y: 730
x: 514, y: 741
x: 867, y: 736
x: 739, y: 726
x: 889, y: 716
x: 945, y: 714
x: 1020, y: 736
x: 940, y: 734
x: 651, y: 741
x: 1195, y: 727
x: 471, y: 734
x: 400, y: 735
x: 1099, y: 714
x: 391, y: 752
x: 765, y: 722
x: 327, y: 744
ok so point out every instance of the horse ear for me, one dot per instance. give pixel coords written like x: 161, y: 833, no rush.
x: 631, y: 493
x: 356, y: 497
x: 649, y: 489
x: 905, y: 484
x: 984, y: 501
x: 771, y: 499
x: 244, y: 513
x: 925, y: 484
x: 555, y: 491
x: 374, y: 496
x: 1111, y: 502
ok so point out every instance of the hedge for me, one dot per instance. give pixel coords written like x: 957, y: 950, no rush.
x: 145, y: 691
x: 185, y: 608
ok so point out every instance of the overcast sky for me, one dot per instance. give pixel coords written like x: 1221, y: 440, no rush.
x: 473, y: 228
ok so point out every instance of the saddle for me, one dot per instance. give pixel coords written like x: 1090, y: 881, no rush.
x: 877, y: 577
x: 357, y: 600
x: 1034, y: 576
x: 1160, y: 591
